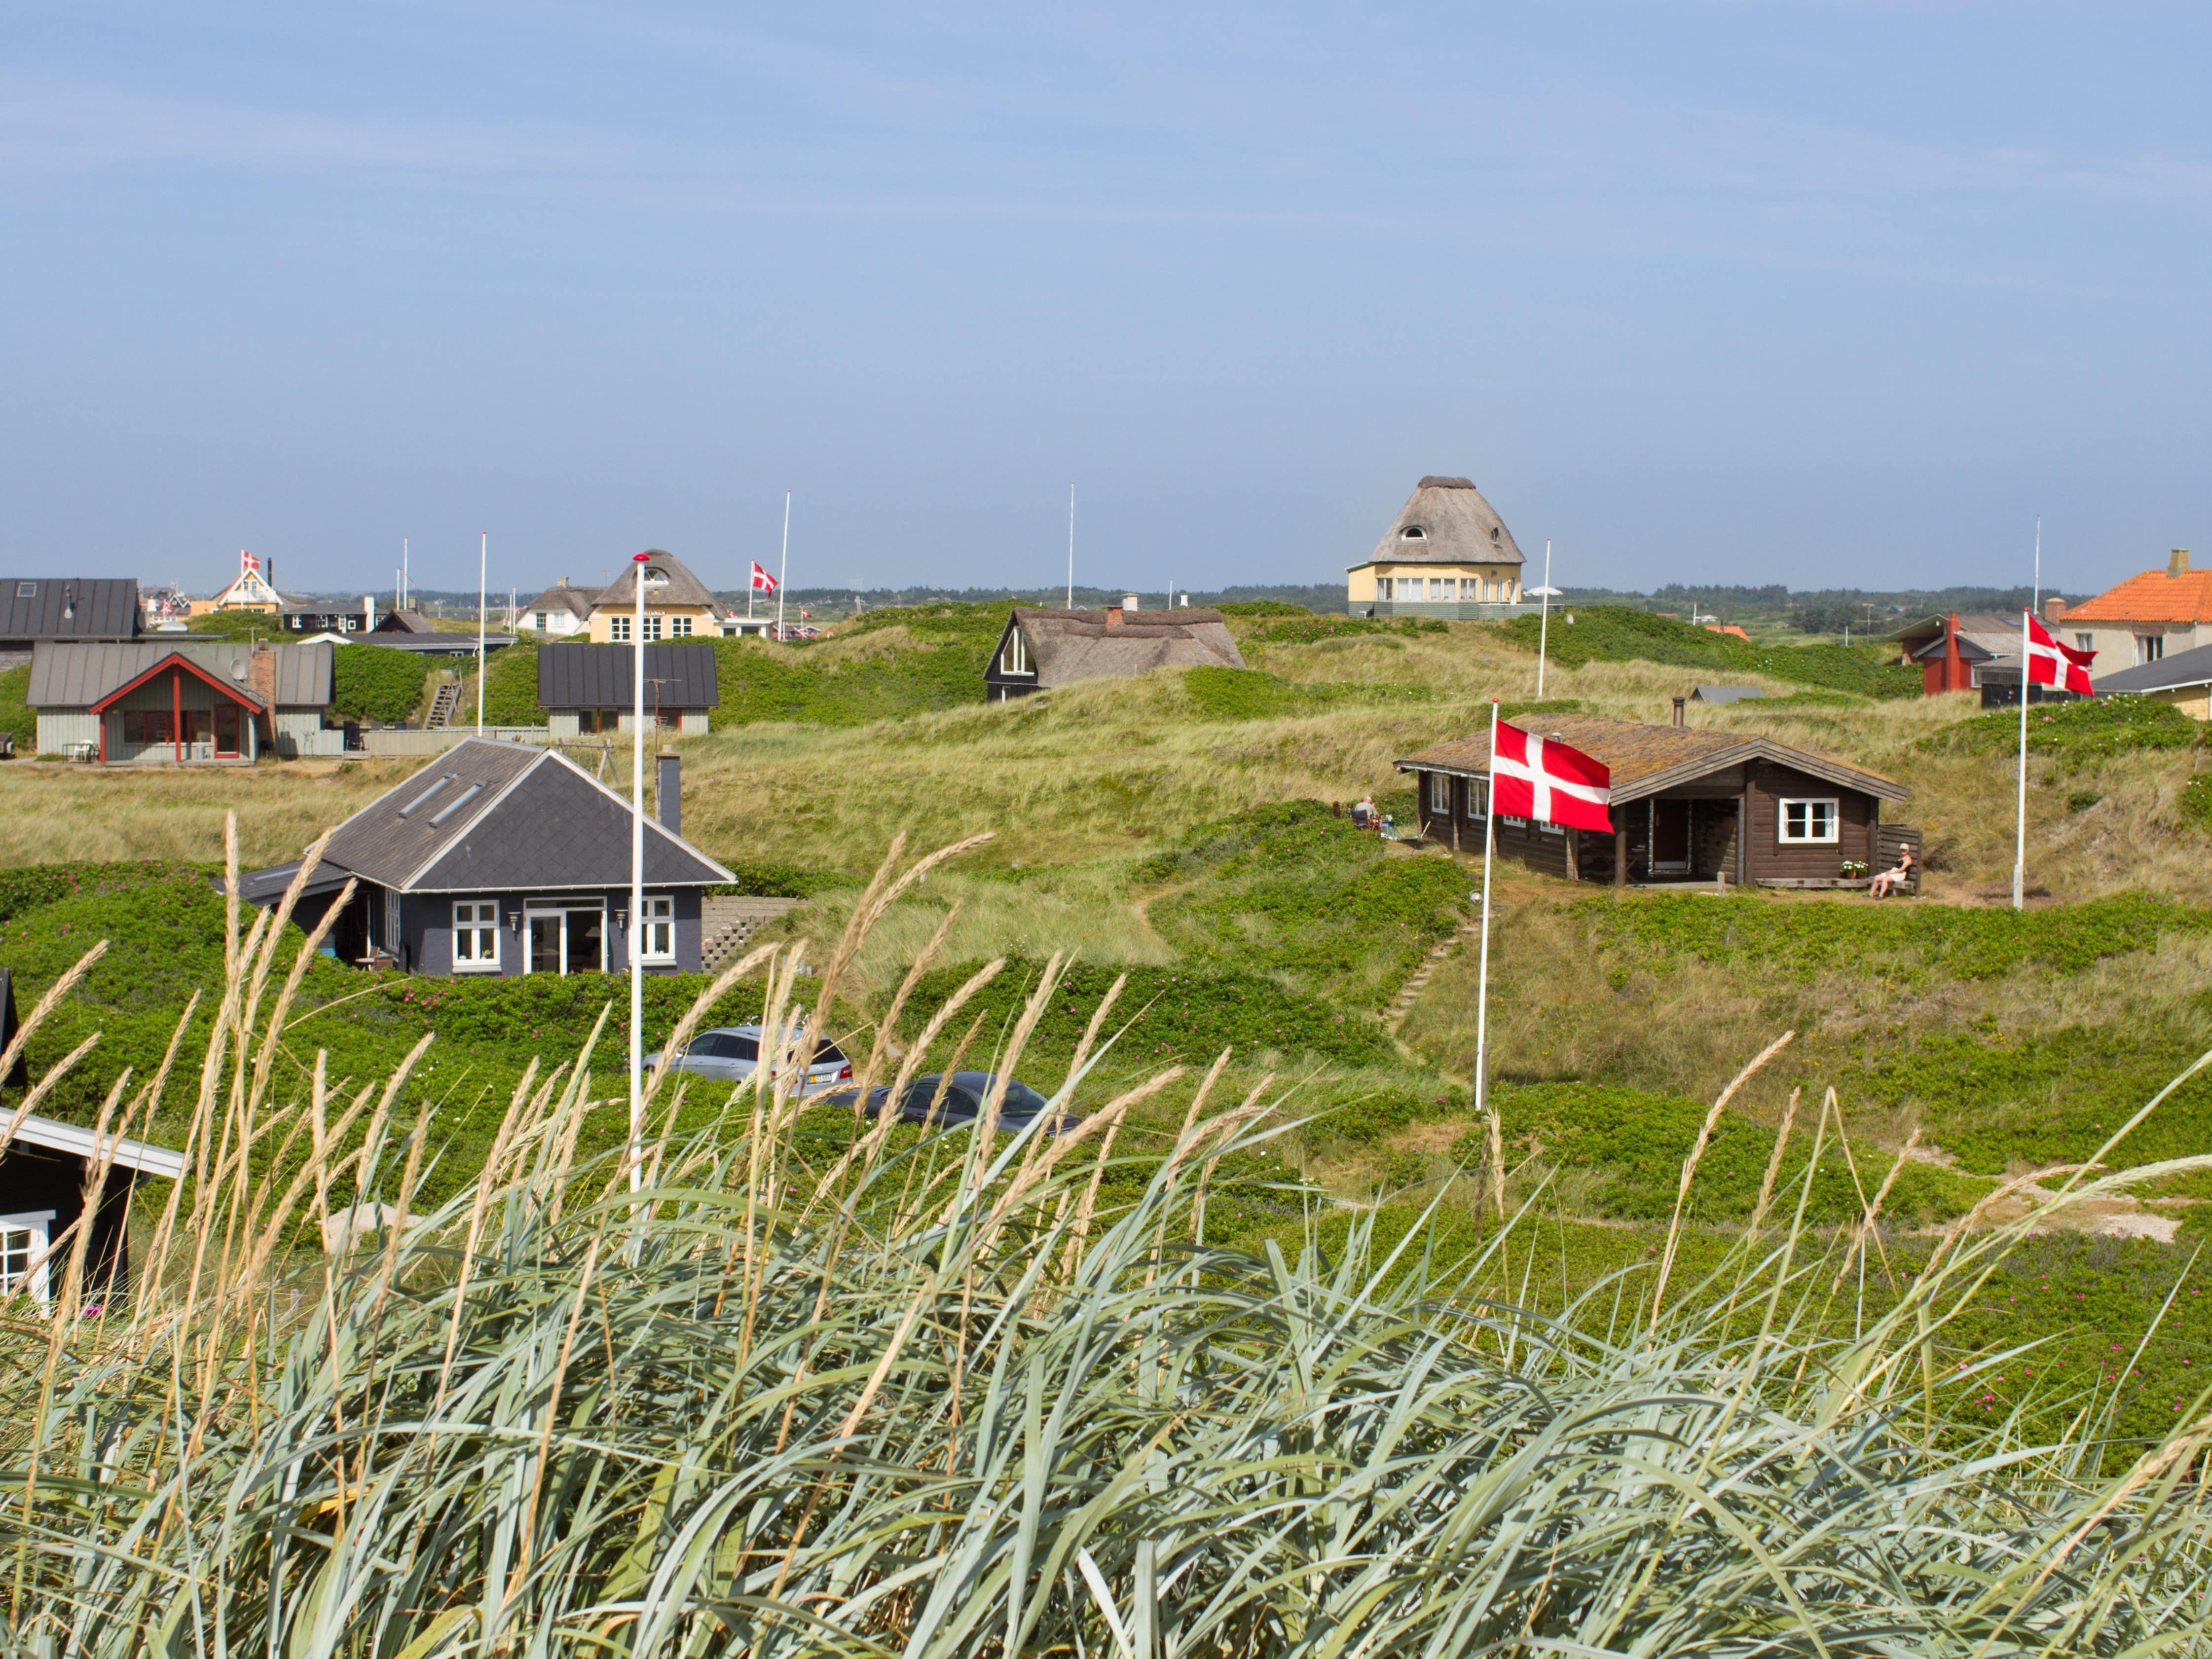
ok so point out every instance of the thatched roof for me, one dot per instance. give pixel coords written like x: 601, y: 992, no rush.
x: 1649, y: 760
x: 683, y: 588
x: 1081, y: 645
x: 1446, y: 521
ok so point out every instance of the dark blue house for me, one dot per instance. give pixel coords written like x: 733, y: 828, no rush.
x: 504, y: 858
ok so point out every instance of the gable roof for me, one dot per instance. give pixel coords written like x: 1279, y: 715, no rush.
x: 683, y: 588
x: 1451, y: 523
x: 71, y: 608
x: 584, y: 676
x: 1067, y: 645
x: 1724, y: 693
x: 2153, y: 596
x: 142, y: 1156
x: 2182, y: 668
x: 576, y: 601
x: 69, y: 674
x: 1984, y: 633
x: 1649, y: 760
x: 487, y: 814
x: 403, y: 622
x: 237, y: 692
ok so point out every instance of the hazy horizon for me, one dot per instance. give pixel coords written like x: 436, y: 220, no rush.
x: 1825, y: 295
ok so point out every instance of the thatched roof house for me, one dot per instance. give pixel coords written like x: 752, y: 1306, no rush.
x: 1446, y: 549
x: 1039, y: 649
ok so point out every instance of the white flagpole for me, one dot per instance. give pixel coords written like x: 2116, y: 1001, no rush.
x: 484, y: 551
x: 783, y: 570
x: 1482, y: 974
x: 2020, y: 833
x: 402, y: 573
x: 1544, y: 622
x: 1071, y: 544
x: 637, y: 884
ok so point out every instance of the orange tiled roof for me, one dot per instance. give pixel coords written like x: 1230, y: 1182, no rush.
x: 2153, y: 596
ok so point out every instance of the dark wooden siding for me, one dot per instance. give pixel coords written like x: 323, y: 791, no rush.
x: 1771, y: 860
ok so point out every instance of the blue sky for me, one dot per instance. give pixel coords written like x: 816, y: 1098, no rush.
x: 1821, y: 294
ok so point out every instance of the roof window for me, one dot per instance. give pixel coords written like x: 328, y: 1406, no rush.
x: 1412, y: 532
x: 26, y: 590
x: 1494, y: 533
x: 426, y: 794
x: 455, y: 803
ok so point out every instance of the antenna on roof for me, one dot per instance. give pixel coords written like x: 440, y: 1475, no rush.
x: 1071, y: 544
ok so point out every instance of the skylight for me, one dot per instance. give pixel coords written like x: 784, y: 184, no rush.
x: 426, y: 794
x: 455, y: 803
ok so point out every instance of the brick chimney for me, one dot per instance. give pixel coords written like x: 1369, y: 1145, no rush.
x: 1680, y: 703
x: 261, y: 675
x: 2054, y: 611
x: 1113, y: 616
x: 2177, y: 563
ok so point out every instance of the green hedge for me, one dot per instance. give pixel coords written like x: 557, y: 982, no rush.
x: 1263, y: 608
x: 375, y: 683
x: 2093, y: 728
x: 17, y: 718
x: 1610, y: 633
x: 769, y: 878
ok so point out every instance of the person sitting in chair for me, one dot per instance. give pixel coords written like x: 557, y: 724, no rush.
x: 1890, y: 880
x: 1363, y: 813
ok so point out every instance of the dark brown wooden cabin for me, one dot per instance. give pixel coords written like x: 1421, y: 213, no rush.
x: 1689, y: 803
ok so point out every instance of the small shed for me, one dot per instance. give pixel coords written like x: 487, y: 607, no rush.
x: 1717, y: 693
x: 1038, y: 649
x: 585, y: 689
x: 1689, y: 803
x: 44, y: 1166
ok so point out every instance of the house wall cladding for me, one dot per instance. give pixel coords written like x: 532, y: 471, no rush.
x: 1768, y: 785
x: 427, y: 930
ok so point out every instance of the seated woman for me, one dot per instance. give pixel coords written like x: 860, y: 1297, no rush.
x: 1363, y: 813
x: 1890, y: 880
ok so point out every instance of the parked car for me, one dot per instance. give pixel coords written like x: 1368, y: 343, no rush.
x: 963, y: 1101
x: 731, y: 1053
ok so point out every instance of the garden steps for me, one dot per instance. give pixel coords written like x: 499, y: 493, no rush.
x: 443, y: 705
x: 1410, y: 991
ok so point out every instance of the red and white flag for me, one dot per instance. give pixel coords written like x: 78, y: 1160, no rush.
x: 1542, y: 778
x: 763, y: 582
x: 2049, y: 663
x: 247, y: 562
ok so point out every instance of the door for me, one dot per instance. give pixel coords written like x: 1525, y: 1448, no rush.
x: 544, y: 942
x: 226, y: 731
x: 585, y: 952
x: 1670, y: 837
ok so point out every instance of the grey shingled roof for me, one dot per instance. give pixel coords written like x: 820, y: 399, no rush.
x: 1725, y: 693
x: 1456, y: 527
x: 577, y: 601
x: 682, y: 588
x: 405, y: 622
x: 1650, y: 760
x: 530, y: 820
x: 2171, y: 673
x: 69, y: 675
x: 584, y: 676
x: 69, y: 608
x: 1067, y: 645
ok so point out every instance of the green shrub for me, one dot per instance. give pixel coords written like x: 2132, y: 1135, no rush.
x: 1173, y: 1013
x: 1263, y: 608
x: 375, y: 683
x: 32, y: 886
x: 2093, y: 728
x: 769, y: 878
x: 511, y: 687
x: 940, y: 667
x: 1308, y: 630
x: 17, y: 718
x: 1804, y: 940
x: 1612, y: 633
x: 2197, y: 800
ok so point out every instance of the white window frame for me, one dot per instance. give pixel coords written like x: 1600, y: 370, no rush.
x: 656, y: 928
x: 1015, y: 659
x: 477, y: 919
x: 38, y: 1224
x: 2085, y: 642
x: 1440, y: 792
x: 1477, y: 799
x: 1383, y: 589
x: 1835, y: 813
x: 653, y: 626
x: 2149, y: 648
x: 618, y: 629
x: 679, y: 626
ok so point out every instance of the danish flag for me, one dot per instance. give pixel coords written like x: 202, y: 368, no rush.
x: 1542, y: 778
x: 763, y: 582
x: 246, y: 562
x: 2049, y: 663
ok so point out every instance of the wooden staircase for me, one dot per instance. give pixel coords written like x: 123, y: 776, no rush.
x: 443, y: 706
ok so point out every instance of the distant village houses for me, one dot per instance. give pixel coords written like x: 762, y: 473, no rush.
x: 2150, y: 616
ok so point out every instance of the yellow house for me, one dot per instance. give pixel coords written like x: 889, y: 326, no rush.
x: 1448, y: 554
x: 678, y: 605
x: 252, y: 591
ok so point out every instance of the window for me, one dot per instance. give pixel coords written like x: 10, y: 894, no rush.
x: 672, y: 719
x: 1440, y: 793
x: 1478, y: 798
x: 1382, y: 587
x: 618, y: 629
x: 1412, y: 532
x: 149, y: 726
x: 1015, y: 659
x: 1809, y: 821
x: 679, y: 626
x: 23, y: 1241
x: 653, y: 628
x: 2150, y: 647
x: 2084, y: 643
x: 476, y: 936
x: 455, y: 805
x: 26, y: 590
x: 657, y: 931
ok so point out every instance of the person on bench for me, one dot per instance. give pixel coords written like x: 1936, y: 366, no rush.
x: 1890, y: 880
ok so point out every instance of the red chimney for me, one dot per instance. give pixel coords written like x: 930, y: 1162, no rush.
x: 1956, y: 675
x: 1113, y: 616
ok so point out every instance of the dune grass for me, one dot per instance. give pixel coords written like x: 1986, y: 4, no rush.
x: 784, y: 1384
